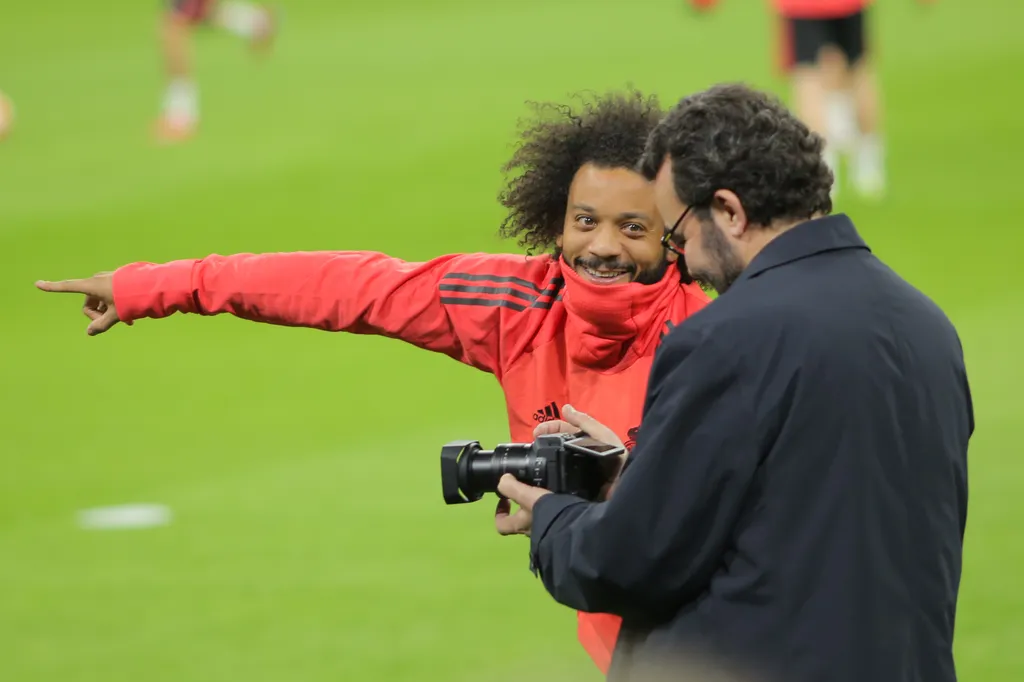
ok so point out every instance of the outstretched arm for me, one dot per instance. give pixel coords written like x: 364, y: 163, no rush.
x: 454, y: 304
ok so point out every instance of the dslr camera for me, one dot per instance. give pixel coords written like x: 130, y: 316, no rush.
x: 571, y: 463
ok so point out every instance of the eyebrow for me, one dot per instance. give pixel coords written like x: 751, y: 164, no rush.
x: 628, y: 215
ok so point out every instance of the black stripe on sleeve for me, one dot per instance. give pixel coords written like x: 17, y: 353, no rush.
x: 490, y: 302
x: 543, y: 299
x: 491, y: 291
x: 469, y: 277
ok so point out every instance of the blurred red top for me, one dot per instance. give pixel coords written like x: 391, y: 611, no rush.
x: 819, y: 9
x: 803, y: 9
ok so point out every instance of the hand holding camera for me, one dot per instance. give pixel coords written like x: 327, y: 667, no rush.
x: 578, y: 456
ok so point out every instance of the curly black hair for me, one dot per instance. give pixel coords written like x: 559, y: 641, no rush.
x: 733, y: 137
x: 609, y: 131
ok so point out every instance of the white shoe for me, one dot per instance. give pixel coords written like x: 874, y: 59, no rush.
x: 870, y: 185
x: 869, y: 169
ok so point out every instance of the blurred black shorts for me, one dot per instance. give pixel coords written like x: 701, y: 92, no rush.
x: 808, y: 36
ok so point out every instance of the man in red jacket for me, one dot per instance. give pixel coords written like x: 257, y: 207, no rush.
x: 578, y: 324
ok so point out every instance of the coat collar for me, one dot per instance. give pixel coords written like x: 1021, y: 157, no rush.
x: 816, y: 236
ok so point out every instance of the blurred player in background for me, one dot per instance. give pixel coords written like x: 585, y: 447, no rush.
x: 578, y: 323
x: 835, y: 87
x: 180, y: 111
x: 824, y: 52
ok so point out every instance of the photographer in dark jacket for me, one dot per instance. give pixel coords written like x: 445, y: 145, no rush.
x: 795, y: 505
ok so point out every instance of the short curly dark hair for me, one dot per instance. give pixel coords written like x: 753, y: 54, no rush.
x: 734, y: 137
x: 609, y: 131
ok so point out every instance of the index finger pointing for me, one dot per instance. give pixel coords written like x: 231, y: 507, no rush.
x: 73, y: 286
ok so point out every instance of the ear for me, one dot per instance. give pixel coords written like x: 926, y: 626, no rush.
x: 558, y: 241
x: 728, y: 213
x: 671, y: 256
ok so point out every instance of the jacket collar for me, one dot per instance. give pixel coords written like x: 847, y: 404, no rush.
x: 606, y: 321
x: 810, y: 238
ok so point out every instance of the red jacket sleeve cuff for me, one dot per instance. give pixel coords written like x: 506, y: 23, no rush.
x: 151, y: 290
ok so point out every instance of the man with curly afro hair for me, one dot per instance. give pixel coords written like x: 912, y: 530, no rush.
x: 575, y: 192
x: 579, y: 321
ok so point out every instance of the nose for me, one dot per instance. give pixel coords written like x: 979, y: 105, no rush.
x: 605, y: 242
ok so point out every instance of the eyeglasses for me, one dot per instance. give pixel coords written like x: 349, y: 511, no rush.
x: 667, y: 239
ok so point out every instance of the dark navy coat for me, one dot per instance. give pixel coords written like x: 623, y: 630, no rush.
x: 795, y: 504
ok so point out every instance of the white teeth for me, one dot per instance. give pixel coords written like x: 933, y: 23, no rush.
x: 604, y: 275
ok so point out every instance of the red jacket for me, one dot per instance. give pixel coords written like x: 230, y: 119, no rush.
x: 547, y: 335
x: 819, y: 9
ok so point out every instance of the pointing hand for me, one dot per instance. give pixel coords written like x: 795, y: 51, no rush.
x: 99, y: 299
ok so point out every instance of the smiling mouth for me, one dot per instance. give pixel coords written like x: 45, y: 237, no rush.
x: 603, y: 276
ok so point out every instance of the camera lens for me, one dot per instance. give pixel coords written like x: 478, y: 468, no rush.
x: 468, y: 472
x: 487, y: 468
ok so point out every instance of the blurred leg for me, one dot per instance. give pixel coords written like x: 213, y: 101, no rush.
x: 869, y: 152
x: 174, y: 37
x: 868, y: 98
x: 809, y: 97
x: 808, y: 36
x: 840, y: 112
x: 180, y: 111
x: 808, y: 79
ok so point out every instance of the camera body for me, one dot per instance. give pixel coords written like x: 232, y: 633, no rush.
x: 570, y: 463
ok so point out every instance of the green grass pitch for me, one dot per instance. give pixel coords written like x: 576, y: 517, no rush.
x: 310, y: 540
